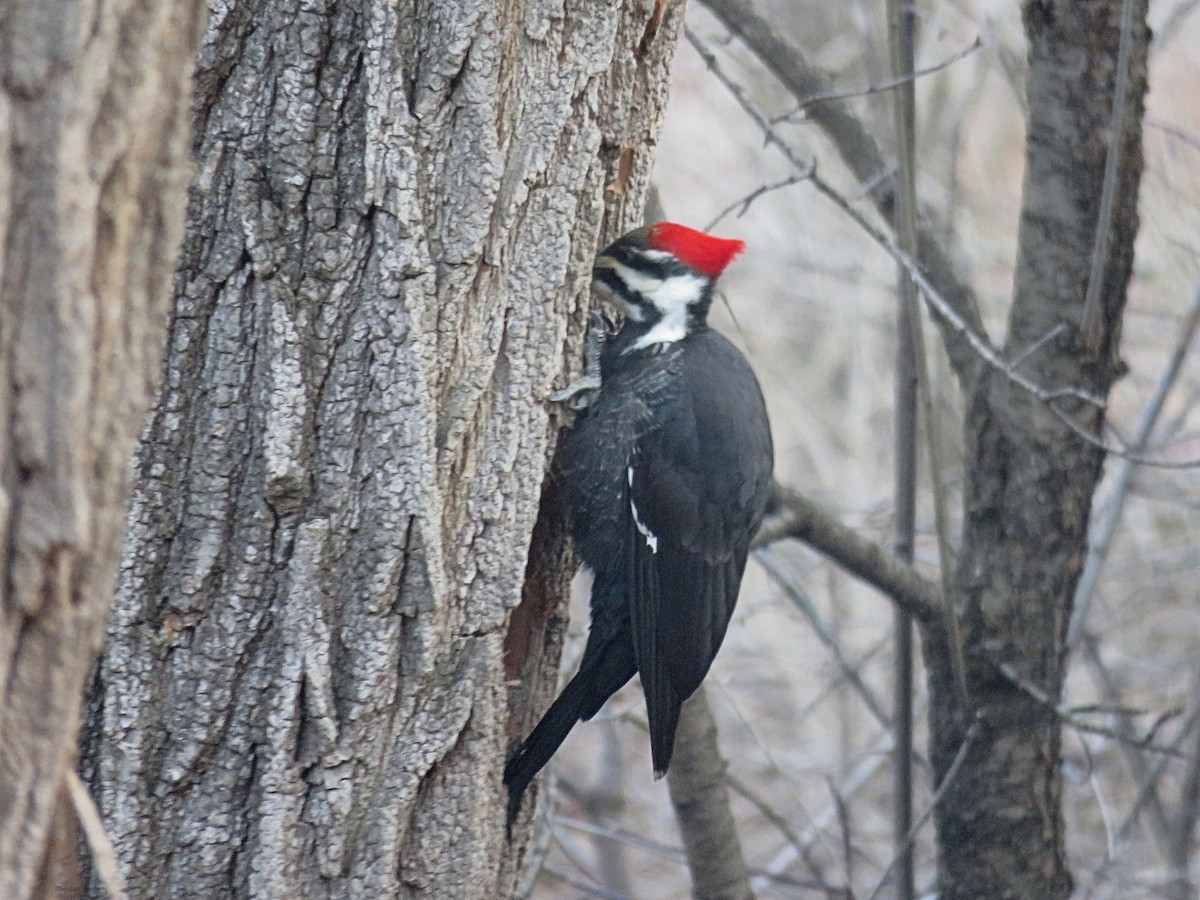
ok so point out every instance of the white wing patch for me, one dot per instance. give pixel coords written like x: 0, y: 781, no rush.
x: 651, y: 538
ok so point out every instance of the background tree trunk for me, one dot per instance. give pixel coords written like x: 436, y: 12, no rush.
x: 391, y: 228
x: 1030, y: 476
x: 93, y: 169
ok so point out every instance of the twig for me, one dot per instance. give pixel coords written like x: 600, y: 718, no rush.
x: 1172, y: 26
x: 574, y: 857
x: 104, y: 858
x: 1104, y: 529
x: 1184, y: 828
x: 540, y: 851
x: 780, y: 822
x: 584, y: 888
x: 1064, y: 715
x: 843, y: 816
x: 746, y: 201
x: 849, y: 787
x: 944, y: 309
x: 771, y: 136
x: 1037, y: 345
x: 879, y: 88
x: 1112, y: 450
x: 674, y: 854
x: 804, y: 604
x: 1147, y: 794
x: 1175, y: 131
x: 951, y: 773
x: 857, y: 147
x: 1092, y: 315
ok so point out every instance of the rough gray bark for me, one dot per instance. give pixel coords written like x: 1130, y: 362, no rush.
x: 1030, y: 477
x: 391, y: 227
x: 93, y: 174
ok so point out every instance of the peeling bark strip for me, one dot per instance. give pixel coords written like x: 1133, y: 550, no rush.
x: 93, y: 169
x: 1030, y: 477
x: 392, y: 222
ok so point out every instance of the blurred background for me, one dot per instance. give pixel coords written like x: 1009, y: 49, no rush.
x: 802, y: 687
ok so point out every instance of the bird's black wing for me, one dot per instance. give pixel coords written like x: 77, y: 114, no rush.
x: 697, y: 490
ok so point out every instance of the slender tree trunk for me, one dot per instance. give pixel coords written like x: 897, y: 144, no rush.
x: 93, y: 150
x: 392, y: 221
x: 1030, y: 477
x: 700, y: 796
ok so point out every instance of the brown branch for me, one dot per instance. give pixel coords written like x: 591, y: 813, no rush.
x: 795, y: 516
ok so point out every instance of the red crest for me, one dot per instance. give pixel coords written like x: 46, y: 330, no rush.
x: 703, y: 252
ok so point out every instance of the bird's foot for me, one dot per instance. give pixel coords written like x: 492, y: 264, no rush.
x: 580, y: 391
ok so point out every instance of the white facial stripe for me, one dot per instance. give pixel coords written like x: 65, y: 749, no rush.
x: 651, y: 539
x: 638, y: 282
x: 670, y: 296
x: 673, y: 298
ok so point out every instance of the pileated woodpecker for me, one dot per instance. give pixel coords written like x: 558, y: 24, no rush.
x: 668, y: 471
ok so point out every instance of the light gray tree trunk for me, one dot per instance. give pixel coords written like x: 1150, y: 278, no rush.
x: 93, y: 175
x: 388, y: 248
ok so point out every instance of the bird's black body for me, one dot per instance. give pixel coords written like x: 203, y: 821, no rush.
x: 668, y: 472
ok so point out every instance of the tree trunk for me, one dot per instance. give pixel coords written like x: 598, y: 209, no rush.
x: 93, y: 175
x: 392, y: 222
x: 1030, y: 477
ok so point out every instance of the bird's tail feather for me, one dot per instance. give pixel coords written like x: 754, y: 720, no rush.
x: 662, y: 711
x: 597, y: 680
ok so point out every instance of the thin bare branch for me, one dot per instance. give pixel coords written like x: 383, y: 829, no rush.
x: 104, y: 858
x: 858, y: 149
x: 804, y: 604
x: 781, y: 823
x: 848, y: 788
x: 1173, y: 25
x: 742, y: 204
x: 989, y: 354
x: 584, y: 888
x: 544, y: 832
x: 674, y: 854
x: 1068, y: 717
x: 1183, y: 836
x: 943, y: 309
x: 910, y: 373
x: 1092, y: 315
x: 951, y: 774
x: 882, y: 87
x: 1106, y: 526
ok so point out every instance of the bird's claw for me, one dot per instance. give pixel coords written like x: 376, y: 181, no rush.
x: 585, y: 385
x: 583, y: 388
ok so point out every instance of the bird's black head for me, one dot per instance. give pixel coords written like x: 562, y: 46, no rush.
x: 661, y: 277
